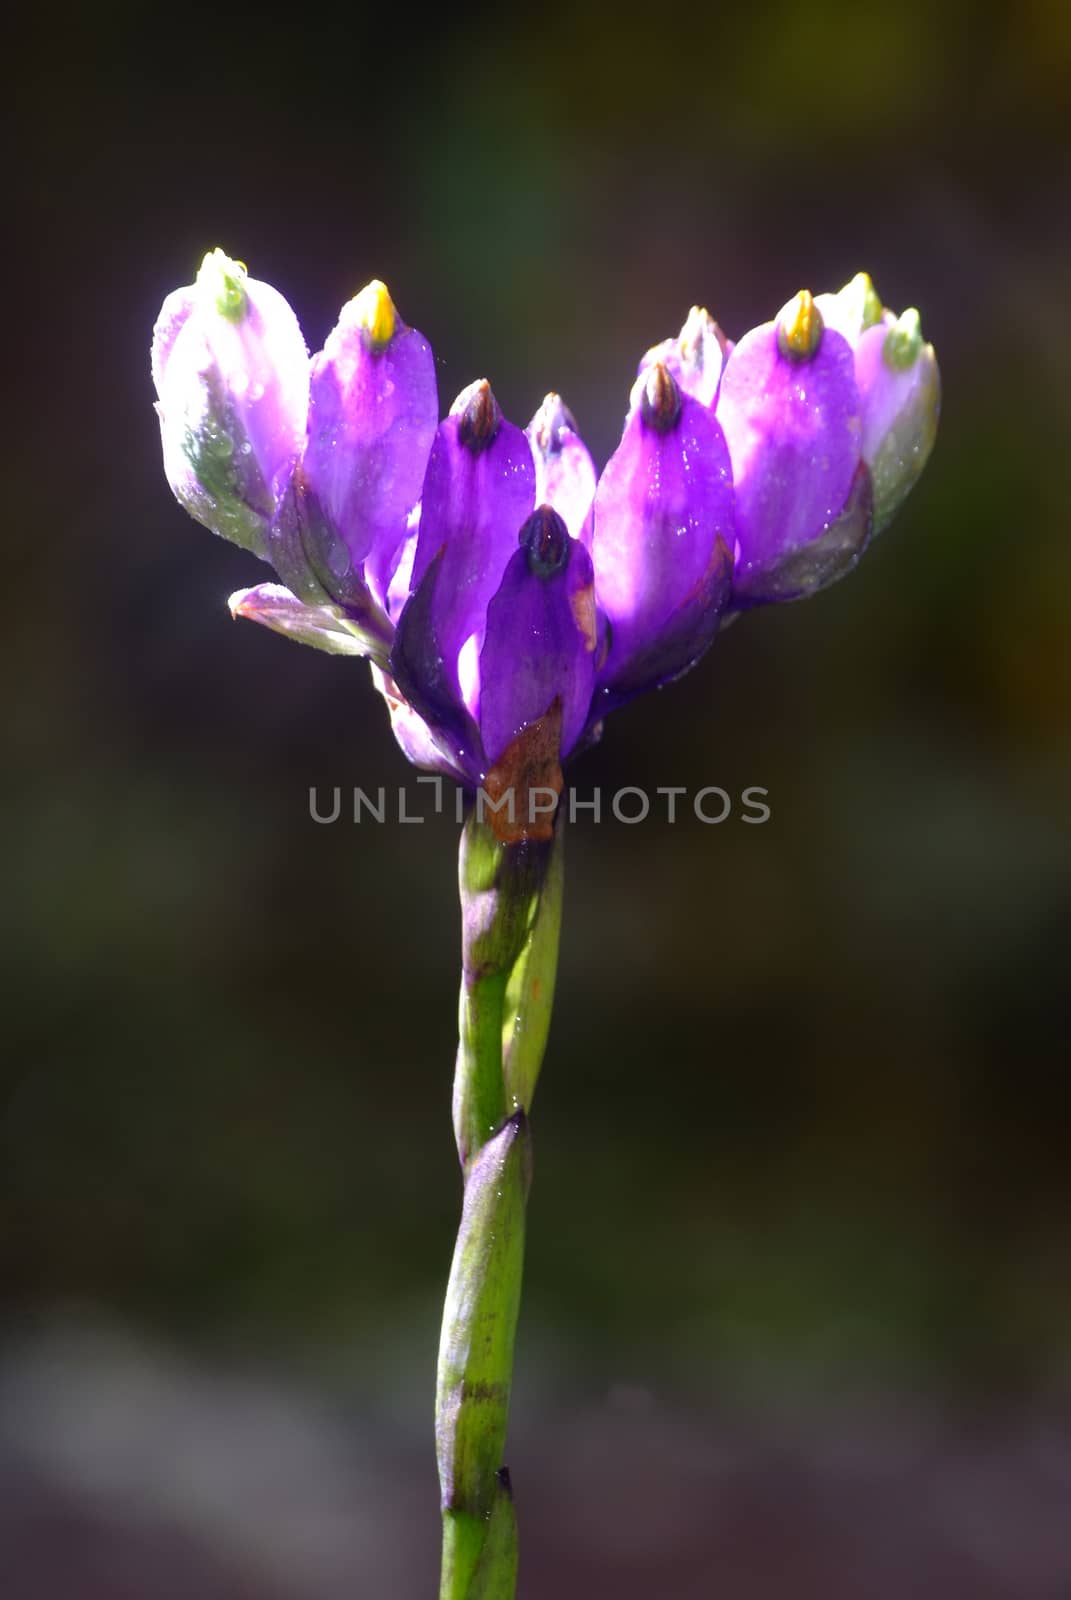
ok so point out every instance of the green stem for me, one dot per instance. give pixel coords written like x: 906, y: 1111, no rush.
x: 511, y: 917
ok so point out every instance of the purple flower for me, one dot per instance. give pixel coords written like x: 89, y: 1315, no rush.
x: 565, y: 472
x: 664, y: 533
x: 231, y: 372
x: 499, y: 629
x: 478, y: 490
x: 340, y: 530
x: 790, y: 409
x: 506, y: 596
x: 373, y: 413
x: 899, y: 390
x: 539, y: 645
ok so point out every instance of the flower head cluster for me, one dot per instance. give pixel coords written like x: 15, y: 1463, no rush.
x: 507, y: 595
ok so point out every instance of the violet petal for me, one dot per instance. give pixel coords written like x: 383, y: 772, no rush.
x: 373, y: 413
x: 564, y: 471
x: 425, y: 670
x: 814, y: 566
x: 417, y: 741
x: 540, y: 639
x: 663, y: 521
x: 309, y: 554
x: 478, y: 490
x: 231, y: 371
x: 900, y: 389
x: 793, y: 431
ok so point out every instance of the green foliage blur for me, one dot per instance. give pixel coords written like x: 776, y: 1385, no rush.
x: 803, y: 1121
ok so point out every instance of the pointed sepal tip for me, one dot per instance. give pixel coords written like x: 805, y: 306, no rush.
x: 800, y: 328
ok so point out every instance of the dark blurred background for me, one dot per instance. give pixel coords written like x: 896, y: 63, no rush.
x: 798, y: 1306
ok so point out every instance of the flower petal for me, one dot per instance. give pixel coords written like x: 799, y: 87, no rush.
x: 373, y: 413
x: 478, y: 491
x: 540, y: 639
x: 900, y: 388
x: 324, y: 627
x: 564, y: 471
x: 663, y: 522
x: 418, y: 743
x: 793, y: 430
x: 309, y: 554
x: 814, y: 566
x: 231, y: 370
x: 426, y: 671
x: 169, y: 324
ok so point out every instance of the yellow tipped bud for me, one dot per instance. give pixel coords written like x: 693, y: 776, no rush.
x: 222, y: 281
x: 376, y: 314
x: 800, y: 327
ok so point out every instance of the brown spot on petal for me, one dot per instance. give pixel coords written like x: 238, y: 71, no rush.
x: 582, y: 606
x: 530, y: 761
x: 713, y: 583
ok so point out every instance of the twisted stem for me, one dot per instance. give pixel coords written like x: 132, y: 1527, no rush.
x: 511, y: 918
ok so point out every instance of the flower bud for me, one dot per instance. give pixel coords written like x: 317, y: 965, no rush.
x: 790, y: 408
x: 664, y: 533
x: 696, y: 357
x: 373, y: 412
x: 478, y: 490
x: 565, y: 472
x: 900, y: 389
x: 853, y: 309
x: 231, y: 373
x: 540, y: 637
